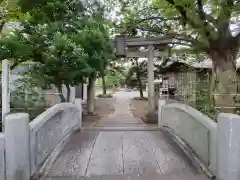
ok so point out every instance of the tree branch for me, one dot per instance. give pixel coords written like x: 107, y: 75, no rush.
x: 135, y: 24
x: 224, y: 17
x: 204, y: 28
x: 202, y: 16
x: 200, y: 10
x: 181, y: 10
x: 182, y: 39
x: 156, y: 18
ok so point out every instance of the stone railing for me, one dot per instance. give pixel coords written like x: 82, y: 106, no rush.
x: 28, y: 149
x: 214, y: 146
x: 48, y: 129
x: 2, y: 156
x: 196, y: 129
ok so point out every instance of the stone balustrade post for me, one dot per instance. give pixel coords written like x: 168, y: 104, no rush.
x: 17, y: 146
x: 228, y: 149
x: 161, y: 103
x: 78, y: 103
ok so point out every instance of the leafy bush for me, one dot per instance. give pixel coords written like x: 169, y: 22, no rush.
x: 204, y: 99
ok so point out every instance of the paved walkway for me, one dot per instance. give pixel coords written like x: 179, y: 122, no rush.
x: 122, y: 155
x: 122, y: 118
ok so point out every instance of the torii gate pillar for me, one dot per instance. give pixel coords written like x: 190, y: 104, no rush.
x: 151, y: 105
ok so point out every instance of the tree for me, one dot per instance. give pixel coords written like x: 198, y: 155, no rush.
x: 112, y: 74
x: 204, y: 26
x: 48, y: 41
x: 136, y: 73
x: 67, y: 40
x: 94, y: 38
x: 57, y: 57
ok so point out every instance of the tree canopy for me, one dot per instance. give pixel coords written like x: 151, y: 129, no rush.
x: 209, y: 27
x: 65, y: 41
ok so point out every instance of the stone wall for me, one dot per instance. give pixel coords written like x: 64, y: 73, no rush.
x: 215, y: 147
x: 47, y: 130
x: 29, y: 149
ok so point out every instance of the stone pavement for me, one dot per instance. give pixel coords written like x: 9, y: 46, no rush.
x: 122, y: 155
x: 122, y: 118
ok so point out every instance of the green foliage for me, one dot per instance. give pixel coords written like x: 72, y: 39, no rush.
x: 132, y: 75
x: 27, y: 96
x: 203, y: 99
x: 202, y: 25
x: 55, y: 54
x: 141, y: 69
x: 113, y: 79
x: 45, y: 11
x: 64, y: 41
x: 94, y: 39
x: 9, y: 11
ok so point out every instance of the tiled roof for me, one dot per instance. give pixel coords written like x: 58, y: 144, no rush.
x: 207, y: 64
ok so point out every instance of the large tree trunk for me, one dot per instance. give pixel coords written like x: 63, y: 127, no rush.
x: 225, y: 81
x: 104, y: 88
x: 139, y: 79
x: 91, y: 95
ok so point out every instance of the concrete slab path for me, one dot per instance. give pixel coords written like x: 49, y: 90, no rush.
x: 123, y: 154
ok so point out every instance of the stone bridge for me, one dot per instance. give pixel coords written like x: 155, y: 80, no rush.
x: 186, y: 145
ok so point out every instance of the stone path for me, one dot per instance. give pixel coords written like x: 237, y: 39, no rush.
x: 122, y: 118
x: 122, y: 155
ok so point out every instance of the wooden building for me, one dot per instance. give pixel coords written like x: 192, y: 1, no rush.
x: 182, y: 80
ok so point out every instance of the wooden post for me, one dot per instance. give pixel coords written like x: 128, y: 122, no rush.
x: 150, y: 79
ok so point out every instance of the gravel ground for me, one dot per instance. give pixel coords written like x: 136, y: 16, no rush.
x: 103, y: 107
x: 139, y: 108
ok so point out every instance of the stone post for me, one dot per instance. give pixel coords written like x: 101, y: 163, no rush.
x: 85, y: 91
x: 72, y: 94
x: 161, y: 103
x: 228, y: 150
x: 17, y: 146
x: 150, y: 79
x: 79, y: 91
x: 78, y: 103
x: 5, y: 88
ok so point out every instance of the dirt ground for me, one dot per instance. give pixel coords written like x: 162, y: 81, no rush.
x: 139, y: 108
x: 103, y: 107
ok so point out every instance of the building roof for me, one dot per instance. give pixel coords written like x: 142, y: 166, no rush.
x: 206, y: 64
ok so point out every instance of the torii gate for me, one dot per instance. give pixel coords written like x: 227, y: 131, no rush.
x: 127, y: 46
